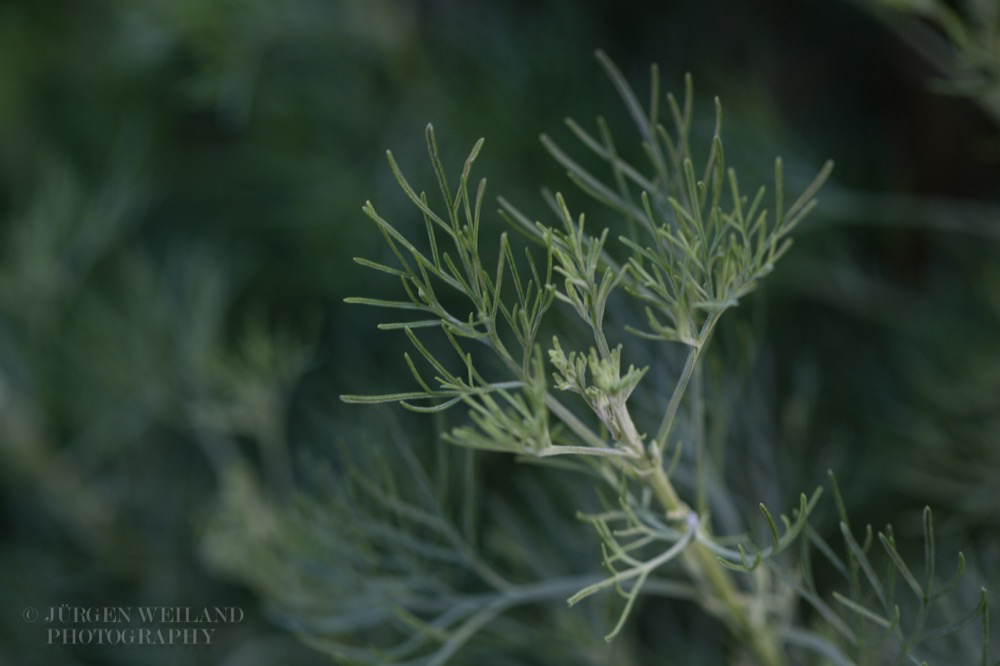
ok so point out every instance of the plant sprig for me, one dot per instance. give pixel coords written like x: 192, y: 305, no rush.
x: 699, y: 258
x: 693, y: 245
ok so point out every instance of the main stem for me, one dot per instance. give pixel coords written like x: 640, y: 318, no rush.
x: 724, y: 599
x: 704, y: 566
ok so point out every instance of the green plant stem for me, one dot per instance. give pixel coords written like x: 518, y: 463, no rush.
x: 724, y: 599
x: 703, y: 565
x: 573, y: 423
x: 667, y: 424
x: 700, y: 443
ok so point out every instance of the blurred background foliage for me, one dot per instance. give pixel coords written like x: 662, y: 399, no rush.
x: 180, y: 194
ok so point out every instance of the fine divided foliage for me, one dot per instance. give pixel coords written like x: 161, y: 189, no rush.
x: 688, y: 244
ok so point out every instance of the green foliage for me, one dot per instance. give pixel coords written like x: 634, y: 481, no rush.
x: 371, y: 564
x: 703, y: 252
x: 874, y: 616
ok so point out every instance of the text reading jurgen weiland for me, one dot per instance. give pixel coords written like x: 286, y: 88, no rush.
x: 117, y: 616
